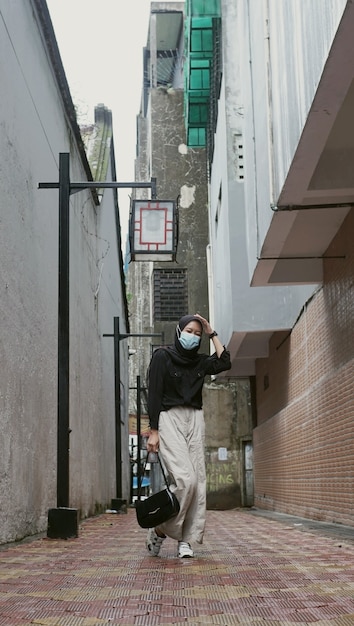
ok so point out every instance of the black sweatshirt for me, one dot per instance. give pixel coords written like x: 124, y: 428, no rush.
x: 173, y: 383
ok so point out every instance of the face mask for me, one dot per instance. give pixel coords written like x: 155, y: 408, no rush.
x: 189, y: 341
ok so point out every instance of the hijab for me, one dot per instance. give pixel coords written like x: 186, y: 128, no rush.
x: 178, y: 354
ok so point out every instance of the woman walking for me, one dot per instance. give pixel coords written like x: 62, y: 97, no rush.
x: 176, y: 379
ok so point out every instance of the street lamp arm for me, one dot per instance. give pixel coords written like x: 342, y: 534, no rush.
x: 124, y: 336
x: 78, y: 186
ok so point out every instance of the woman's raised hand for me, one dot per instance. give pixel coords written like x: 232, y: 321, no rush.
x: 206, y: 325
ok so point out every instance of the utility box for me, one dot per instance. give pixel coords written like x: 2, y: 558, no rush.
x: 63, y: 523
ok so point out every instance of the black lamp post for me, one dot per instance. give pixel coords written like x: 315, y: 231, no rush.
x: 118, y: 502
x: 63, y: 521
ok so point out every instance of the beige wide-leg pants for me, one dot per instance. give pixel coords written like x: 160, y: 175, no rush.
x: 181, y: 432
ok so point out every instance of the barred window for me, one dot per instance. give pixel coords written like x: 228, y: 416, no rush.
x: 170, y: 294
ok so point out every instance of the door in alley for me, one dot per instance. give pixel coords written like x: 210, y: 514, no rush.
x: 248, y: 494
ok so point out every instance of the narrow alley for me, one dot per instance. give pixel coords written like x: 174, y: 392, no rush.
x: 254, y: 568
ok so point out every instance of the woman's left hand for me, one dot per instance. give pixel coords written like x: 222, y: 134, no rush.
x: 206, y: 325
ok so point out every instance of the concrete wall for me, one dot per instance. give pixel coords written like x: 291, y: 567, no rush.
x: 304, y: 462
x: 228, y: 421
x: 181, y: 175
x: 34, y: 128
x: 138, y: 283
x: 96, y: 300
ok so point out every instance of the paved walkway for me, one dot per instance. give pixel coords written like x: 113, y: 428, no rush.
x: 251, y: 570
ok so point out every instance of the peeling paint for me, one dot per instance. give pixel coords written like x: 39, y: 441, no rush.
x: 182, y: 148
x: 187, y: 196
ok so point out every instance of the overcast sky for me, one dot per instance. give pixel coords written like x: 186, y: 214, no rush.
x: 101, y: 45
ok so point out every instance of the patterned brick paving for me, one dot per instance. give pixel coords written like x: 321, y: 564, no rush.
x: 250, y: 571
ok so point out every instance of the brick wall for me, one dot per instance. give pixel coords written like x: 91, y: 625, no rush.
x: 303, y: 442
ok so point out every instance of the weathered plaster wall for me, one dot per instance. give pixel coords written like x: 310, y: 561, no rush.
x: 33, y: 131
x: 181, y: 174
x: 228, y: 421
x: 138, y: 283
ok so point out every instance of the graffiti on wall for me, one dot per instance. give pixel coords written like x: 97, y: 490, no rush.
x: 221, y: 470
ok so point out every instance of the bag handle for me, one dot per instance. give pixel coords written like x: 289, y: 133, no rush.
x: 142, y: 475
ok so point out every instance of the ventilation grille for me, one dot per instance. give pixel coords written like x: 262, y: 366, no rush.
x: 170, y: 294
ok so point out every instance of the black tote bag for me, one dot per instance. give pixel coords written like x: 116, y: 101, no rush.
x: 157, y: 508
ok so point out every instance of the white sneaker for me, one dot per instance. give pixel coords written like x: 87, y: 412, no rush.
x: 153, y: 542
x: 184, y: 550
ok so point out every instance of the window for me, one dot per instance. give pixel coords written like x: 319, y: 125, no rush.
x: 170, y: 300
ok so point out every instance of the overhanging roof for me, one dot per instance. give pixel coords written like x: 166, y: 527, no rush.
x: 319, y: 189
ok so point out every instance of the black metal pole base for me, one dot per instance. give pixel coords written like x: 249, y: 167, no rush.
x: 63, y: 523
x: 117, y: 504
